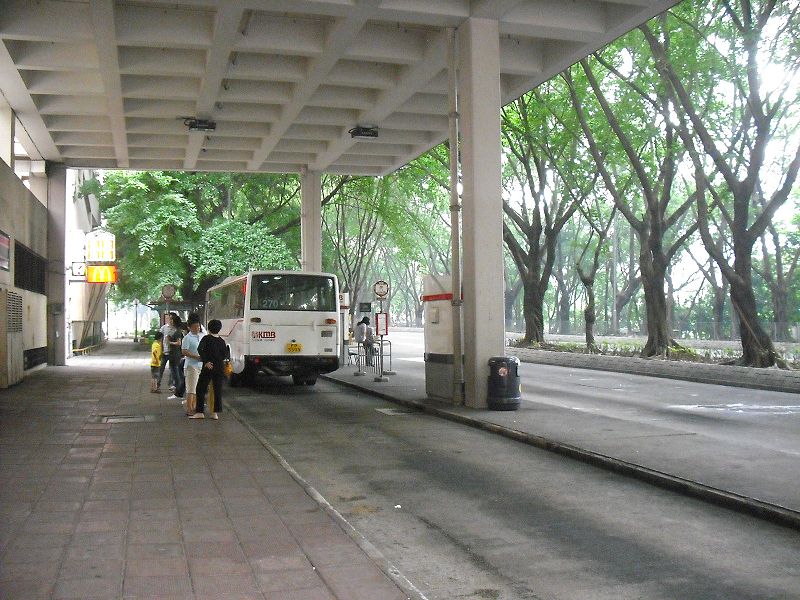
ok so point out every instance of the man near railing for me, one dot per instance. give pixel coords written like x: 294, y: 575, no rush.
x: 365, y: 336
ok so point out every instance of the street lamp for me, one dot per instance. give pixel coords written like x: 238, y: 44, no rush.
x: 135, y: 320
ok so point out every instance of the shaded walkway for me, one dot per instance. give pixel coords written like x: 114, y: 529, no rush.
x: 108, y: 491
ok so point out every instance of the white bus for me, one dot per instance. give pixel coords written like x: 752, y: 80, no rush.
x: 279, y: 322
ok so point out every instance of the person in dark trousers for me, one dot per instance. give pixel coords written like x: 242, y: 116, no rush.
x: 175, y: 356
x: 213, y: 351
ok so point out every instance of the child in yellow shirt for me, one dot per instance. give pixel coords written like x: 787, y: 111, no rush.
x: 156, y: 351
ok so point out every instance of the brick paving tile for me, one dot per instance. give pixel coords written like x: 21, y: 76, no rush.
x: 80, y: 552
x: 151, y: 567
x: 38, y: 589
x: 87, y: 588
x: 161, y: 586
x: 155, y: 551
x: 155, y: 536
x: 231, y: 550
x: 317, y: 593
x: 210, y: 535
x: 269, y: 563
x: 218, y: 565
x: 29, y: 571
x: 15, y: 555
x: 290, y: 579
x: 214, y: 585
x: 93, y: 568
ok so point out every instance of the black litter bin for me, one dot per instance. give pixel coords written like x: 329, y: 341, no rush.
x: 503, y: 383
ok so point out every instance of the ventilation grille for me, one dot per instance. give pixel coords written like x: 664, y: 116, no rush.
x: 14, y: 312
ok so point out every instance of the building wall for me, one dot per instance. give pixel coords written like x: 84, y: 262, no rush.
x: 24, y: 219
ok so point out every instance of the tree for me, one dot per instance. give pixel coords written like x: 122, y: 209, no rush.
x: 735, y: 165
x: 646, y: 153
x: 352, y: 224
x: 190, y: 229
x: 600, y: 226
x: 534, y: 222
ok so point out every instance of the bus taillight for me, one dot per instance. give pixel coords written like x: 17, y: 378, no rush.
x: 330, y: 321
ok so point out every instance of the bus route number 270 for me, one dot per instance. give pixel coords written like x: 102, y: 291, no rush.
x: 263, y: 335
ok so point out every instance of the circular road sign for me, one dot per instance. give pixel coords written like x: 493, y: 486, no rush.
x: 168, y: 291
x: 381, y: 288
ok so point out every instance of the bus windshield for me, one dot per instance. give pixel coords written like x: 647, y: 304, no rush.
x: 293, y: 292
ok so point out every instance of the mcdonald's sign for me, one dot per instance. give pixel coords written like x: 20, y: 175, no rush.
x: 101, y: 273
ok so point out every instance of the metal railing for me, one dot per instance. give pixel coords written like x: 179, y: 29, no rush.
x: 373, y: 358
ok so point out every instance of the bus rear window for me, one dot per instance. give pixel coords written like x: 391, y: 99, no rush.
x: 293, y: 292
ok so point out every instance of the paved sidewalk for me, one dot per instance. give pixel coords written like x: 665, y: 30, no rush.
x: 747, y: 477
x: 108, y: 491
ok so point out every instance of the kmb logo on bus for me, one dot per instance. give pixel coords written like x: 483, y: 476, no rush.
x: 263, y: 335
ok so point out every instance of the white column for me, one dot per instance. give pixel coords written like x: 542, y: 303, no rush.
x: 38, y: 182
x: 56, y: 275
x: 479, y: 98
x: 6, y: 134
x: 311, y: 221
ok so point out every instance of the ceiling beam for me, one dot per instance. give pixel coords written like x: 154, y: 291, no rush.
x: 433, y: 61
x: 38, y: 140
x: 227, y: 32
x: 105, y: 36
x: 339, y: 36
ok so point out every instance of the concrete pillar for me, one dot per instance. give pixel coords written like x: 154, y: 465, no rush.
x: 39, y: 185
x: 56, y: 275
x: 479, y: 101
x: 311, y: 221
x: 6, y: 134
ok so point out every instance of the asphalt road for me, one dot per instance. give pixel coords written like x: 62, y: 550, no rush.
x: 732, y: 414
x: 467, y: 514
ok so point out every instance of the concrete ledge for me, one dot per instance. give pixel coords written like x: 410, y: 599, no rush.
x: 777, y: 380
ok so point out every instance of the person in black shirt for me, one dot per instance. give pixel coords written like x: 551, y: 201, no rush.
x: 213, y: 351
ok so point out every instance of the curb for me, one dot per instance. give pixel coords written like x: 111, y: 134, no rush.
x: 745, y: 377
x: 366, y: 546
x: 753, y: 507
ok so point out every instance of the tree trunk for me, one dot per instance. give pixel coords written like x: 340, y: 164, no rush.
x: 564, y: 308
x: 510, y: 298
x: 533, y: 310
x: 780, y: 309
x: 757, y: 347
x: 589, y: 319
x: 659, y: 338
x: 589, y: 316
x: 719, y: 313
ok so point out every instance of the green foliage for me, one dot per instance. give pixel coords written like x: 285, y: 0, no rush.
x: 232, y: 247
x: 190, y: 229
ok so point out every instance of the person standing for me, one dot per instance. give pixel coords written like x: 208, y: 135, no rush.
x: 213, y: 351
x: 167, y: 329
x: 192, y: 363
x: 180, y: 389
x: 156, y: 350
x: 365, y: 336
x: 175, y: 355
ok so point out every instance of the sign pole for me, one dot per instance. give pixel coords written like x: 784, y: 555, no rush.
x: 136, y: 321
x: 381, y: 376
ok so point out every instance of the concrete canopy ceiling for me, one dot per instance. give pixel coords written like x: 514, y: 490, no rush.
x: 108, y: 84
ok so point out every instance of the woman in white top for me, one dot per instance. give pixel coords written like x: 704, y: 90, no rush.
x: 192, y: 365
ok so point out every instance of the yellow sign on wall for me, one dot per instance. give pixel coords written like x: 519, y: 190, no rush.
x: 101, y: 273
x: 101, y: 246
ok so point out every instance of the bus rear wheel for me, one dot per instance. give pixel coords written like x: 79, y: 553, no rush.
x: 244, y: 378
x: 304, y: 379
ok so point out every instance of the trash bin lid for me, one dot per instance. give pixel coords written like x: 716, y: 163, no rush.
x: 503, y: 360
